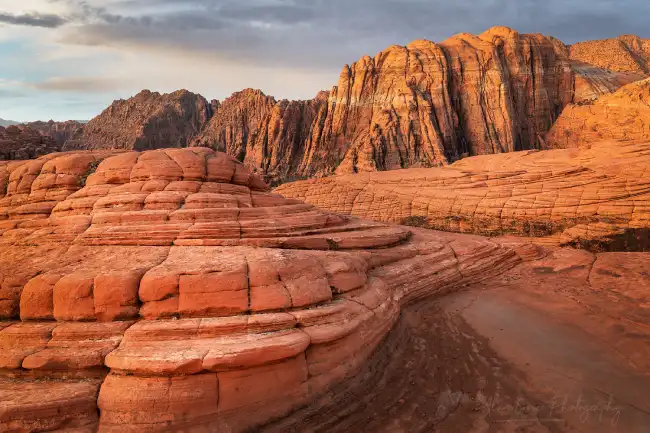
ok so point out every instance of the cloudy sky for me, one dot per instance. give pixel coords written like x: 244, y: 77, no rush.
x: 69, y: 59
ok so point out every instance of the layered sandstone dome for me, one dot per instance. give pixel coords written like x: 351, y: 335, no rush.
x: 169, y: 290
x: 595, y: 196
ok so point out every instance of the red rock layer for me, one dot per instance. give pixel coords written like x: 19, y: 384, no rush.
x: 624, y: 115
x: 627, y: 53
x: 59, y: 131
x: 22, y: 142
x: 265, y: 134
x: 592, y: 195
x: 254, y: 304
x: 149, y: 120
x: 425, y: 104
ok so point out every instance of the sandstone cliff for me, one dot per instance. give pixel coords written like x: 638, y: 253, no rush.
x: 624, y: 115
x: 627, y: 53
x: 59, y: 131
x: 265, y: 134
x: 22, y: 142
x: 149, y: 120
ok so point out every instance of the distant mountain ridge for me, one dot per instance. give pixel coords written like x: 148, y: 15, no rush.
x: 4, y: 123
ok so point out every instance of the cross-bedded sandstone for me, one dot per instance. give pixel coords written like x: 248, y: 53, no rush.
x: 170, y: 290
x: 591, y: 196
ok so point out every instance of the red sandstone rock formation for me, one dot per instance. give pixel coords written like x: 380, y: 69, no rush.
x: 255, y: 304
x: 425, y: 104
x: 627, y: 53
x: 428, y: 104
x: 59, y: 131
x: 594, y: 196
x: 23, y: 142
x: 265, y: 134
x: 149, y: 120
x: 624, y: 115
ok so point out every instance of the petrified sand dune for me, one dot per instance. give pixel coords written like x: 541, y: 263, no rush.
x: 591, y: 196
x: 254, y: 304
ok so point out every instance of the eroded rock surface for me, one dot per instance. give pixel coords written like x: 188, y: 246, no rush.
x: 169, y: 290
x: 148, y: 120
x: 594, y: 197
x: 59, y: 131
x: 22, y: 142
x: 627, y: 53
x: 623, y: 115
x: 265, y: 134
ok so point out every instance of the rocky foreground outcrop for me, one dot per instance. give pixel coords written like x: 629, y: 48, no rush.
x: 170, y: 291
x: 624, y: 116
x: 22, y: 142
x: 596, y: 197
x: 59, y: 131
x: 149, y: 120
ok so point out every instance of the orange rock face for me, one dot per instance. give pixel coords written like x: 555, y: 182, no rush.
x: 420, y: 105
x: 627, y: 53
x: 170, y: 291
x: 149, y: 120
x: 624, y: 116
x: 263, y: 133
x: 596, y: 196
x: 23, y: 142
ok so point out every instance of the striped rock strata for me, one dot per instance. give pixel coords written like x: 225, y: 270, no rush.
x: 170, y: 291
x: 598, y: 196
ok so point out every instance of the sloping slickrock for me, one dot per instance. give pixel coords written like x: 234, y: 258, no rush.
x: 627, y: 53
x: 624, y: 115
x: 59, y: 131
x: 596, y: 196
x: 168, y: 290
x: 148, y: 120
x: 592, y: 82
x: 22, y: 142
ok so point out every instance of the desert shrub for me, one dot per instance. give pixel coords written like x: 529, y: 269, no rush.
x: 415, y: 221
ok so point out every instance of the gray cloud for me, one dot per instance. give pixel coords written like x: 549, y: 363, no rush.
x: 327, y: 33
x: 33, y: 20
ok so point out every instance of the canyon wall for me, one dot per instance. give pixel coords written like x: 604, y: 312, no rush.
x: 149, y: 120
x: 422, y: 105
x: 59, y: 131
x: 23, y: 142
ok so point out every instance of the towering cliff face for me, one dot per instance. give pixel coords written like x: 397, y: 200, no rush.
x: 149, y: 120
x: 23, y: 142
x: 261, y: 132
x: 422, y: 105
x: 59, y: 131
x: 627, y: 53
x: 623, y: 116
x: 428, y: 104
